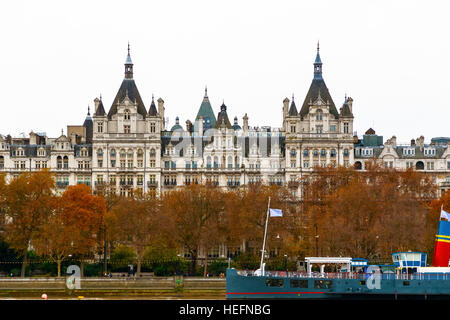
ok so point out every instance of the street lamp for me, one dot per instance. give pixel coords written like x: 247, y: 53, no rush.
x: 178, y: 264
x: 317, y: 240
x: 285, y: 263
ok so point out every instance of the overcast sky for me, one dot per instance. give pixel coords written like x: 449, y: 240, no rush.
x: 391, y: 57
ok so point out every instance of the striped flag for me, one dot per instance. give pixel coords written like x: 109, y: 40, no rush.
x: 441, y: 254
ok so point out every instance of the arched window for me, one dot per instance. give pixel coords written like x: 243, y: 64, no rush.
x: 358, y: 165
x: 208, y: 162
x: 66, y: 162
x: 230, y: 162
x: 333, y: 153
x: 346, y: 153
x: 305, y: 152
x: 122, y: 153
x: 152, y: 153
x: 99, y: 153
x: 420, y: 165
x: 113, y: 153
x: 140, y: 153
x: 323, y: 152
x: 319, y: 114
x: 127, y: 114
x: 59, y: 162
x: 2, y: 162
x: 216, y: 162
x: 316, y: 153
x: 130, y: 153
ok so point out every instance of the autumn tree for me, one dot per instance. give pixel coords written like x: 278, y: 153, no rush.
x: 246, y: 218
x: 367, y: 213
x: 133, y: 221
x: 2, y: 205
x: 192, y: 218
x: 73, y: 226
x: 106, y: 236
x: 28, y: 203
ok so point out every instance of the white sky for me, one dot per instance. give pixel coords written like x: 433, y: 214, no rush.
x: 391, y: 57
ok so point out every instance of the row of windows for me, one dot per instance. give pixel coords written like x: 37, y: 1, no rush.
x: 129, y: 153
x: 300, y: 283
x: 315, y: 152
x: 126, y: 127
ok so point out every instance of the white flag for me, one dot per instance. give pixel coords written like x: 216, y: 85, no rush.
x: 445, y: 215
x: 276, y: 212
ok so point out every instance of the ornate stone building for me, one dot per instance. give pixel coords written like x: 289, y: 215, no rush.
x: 130, y: 148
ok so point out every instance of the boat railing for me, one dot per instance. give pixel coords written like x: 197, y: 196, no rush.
x: 350, y: 275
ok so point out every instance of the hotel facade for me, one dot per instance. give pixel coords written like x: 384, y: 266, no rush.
x: 130, y: 148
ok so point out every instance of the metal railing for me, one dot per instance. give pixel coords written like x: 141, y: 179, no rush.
x: 349, y: 275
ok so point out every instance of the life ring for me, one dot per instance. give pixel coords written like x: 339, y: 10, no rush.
x: 282, y: 274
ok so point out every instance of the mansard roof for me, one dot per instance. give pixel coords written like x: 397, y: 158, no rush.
x: 128, y: 88
x: 312, y: 95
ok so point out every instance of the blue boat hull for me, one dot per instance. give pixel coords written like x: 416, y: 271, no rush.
x: 241, y: 286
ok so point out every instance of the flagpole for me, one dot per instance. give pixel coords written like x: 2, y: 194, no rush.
x: 264, y: 242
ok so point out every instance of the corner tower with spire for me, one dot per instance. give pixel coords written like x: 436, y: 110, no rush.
x: 127, y: 136
x: 318, y: 134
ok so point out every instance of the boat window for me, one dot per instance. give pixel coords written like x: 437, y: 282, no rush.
x: 274, y: 282
x: 323, y: 284
x: 362, y: 282
x: 406, y: 283
x: 299, y: 283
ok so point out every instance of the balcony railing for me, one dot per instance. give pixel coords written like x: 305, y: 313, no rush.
x: 152, y: 184
x: 62, y: 184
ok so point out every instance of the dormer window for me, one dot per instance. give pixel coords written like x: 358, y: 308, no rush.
x: 127, y: 115
x: 409, y: 151
x: 429, y: 151
x: 20, y: 152
x: 367, y: 152
x: 83, y: 152
x: 319, y: 115
x: 41, y: 152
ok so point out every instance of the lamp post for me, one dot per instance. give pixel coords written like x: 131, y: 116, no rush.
x: 317, y: 240
x: 178, y: 264
x: 285, y: 263
x: 105, y: 264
